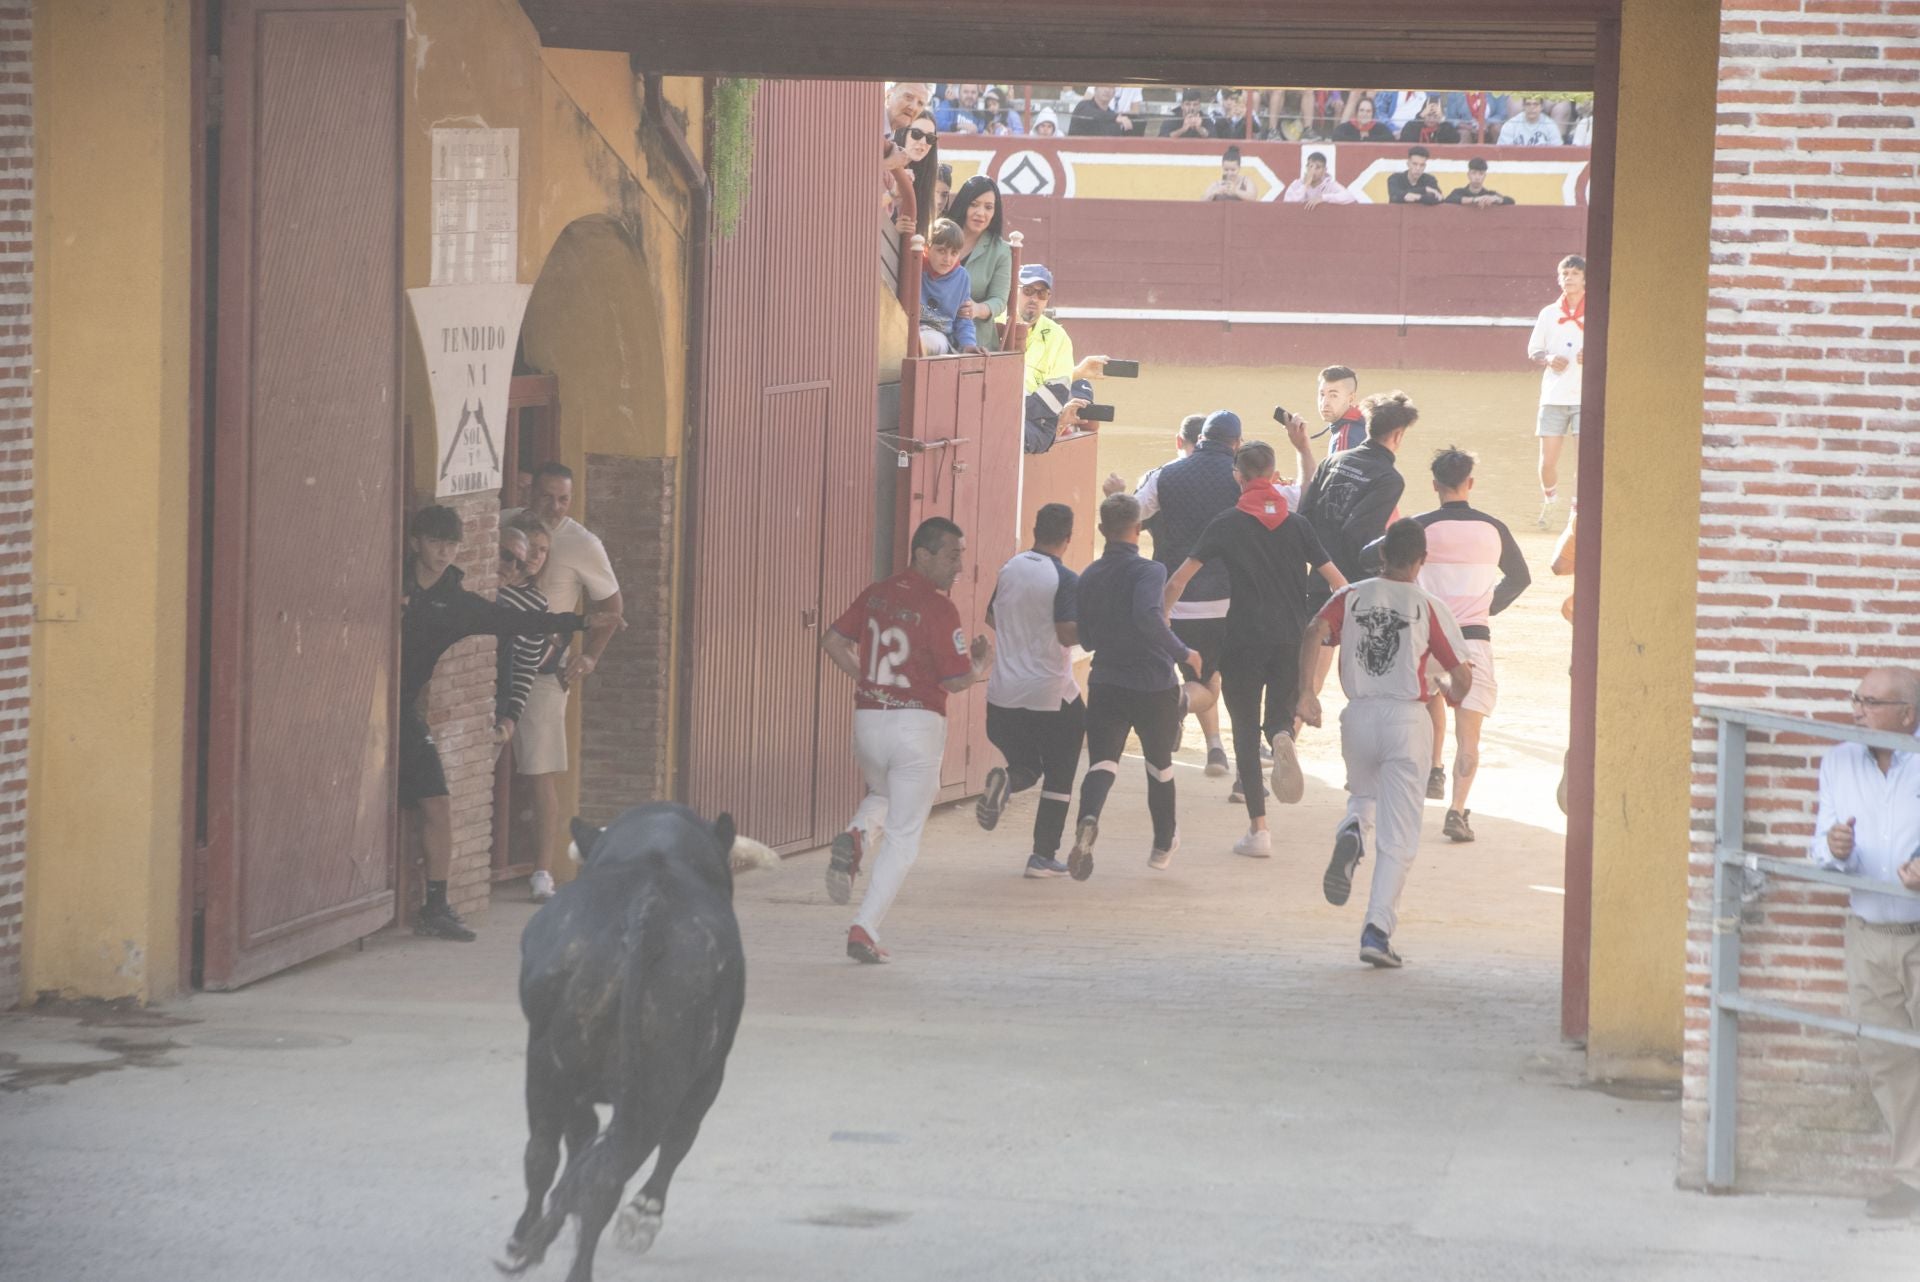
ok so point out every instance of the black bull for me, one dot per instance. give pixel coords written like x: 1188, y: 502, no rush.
x: 632, y: 980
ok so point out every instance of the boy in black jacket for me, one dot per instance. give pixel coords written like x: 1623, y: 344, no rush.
x: 436, y: 611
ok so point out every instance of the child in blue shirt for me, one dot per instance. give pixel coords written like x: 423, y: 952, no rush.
x: 944, y: 289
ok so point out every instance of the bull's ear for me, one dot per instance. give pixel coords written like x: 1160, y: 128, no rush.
x: 585, y: 838
x: 724, y: 831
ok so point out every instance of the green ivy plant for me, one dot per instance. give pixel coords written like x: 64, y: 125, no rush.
x: 732, y: 161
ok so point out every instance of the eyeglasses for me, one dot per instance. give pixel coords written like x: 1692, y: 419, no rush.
x: 922, y: 135
x: 1861, y: 701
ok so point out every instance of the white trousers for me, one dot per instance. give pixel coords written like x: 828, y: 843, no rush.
x: 899, y: 752
x: 1388, y: 747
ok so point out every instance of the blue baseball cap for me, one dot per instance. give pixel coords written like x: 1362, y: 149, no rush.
x: 1221, y: 425
x: 1031, y: 272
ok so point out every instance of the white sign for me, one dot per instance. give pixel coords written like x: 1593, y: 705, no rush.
x: 476, y: 206
x: 468, y: 334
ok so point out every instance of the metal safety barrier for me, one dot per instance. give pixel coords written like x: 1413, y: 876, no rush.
x: 1731, y: 864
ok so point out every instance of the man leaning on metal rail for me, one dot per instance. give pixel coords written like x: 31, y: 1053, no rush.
x: 1869, y: 825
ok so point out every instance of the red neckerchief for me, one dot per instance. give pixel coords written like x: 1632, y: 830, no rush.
x: 1428, y: 131
x: 1578, y: 315
x: 1264, y: 503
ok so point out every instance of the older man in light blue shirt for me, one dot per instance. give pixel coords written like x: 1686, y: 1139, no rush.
x: 1869, y: 825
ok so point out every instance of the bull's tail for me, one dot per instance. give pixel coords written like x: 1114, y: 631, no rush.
x: 749, y: 855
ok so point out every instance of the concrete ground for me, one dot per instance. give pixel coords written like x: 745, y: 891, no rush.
x: 1139, y: 1077
x: 1147, y: 1075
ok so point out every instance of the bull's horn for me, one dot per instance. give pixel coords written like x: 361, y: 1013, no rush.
x: 749, y: 854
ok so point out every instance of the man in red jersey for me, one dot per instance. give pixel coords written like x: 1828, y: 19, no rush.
x: 902, y: 643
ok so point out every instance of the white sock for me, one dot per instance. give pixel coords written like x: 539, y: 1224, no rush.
x: 1214, y: 742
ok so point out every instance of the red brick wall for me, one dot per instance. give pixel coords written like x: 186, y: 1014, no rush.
x: 625, y: 752
x: 1810, y: 514
x: 16, y: 471
x: 460, y: 712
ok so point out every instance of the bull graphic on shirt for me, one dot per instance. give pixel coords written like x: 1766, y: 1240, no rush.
x: 1381, y: 643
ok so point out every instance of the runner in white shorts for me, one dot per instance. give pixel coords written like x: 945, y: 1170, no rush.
x: 1387, y: 629
x: 1476, y: 569
x: 1558, y: 345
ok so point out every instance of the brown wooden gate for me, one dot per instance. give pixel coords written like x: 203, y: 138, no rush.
x: 783, y: 492
x: 962, y: 440
x: 306, y: 491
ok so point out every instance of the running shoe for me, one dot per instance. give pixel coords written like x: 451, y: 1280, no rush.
x: 1457, y: 828
x: 1437, y: 784
x: 863, y: 947
x: 1080, y: 858
x: 1158, y: 858
x: 1255, y: 843
x: 843, y: 866
x: 1348, y: 851
x: 1289, y: 785
x: 993, y: 800
x: 1217, y: 763
x: 1377, y: 950
x: 1040, y: 866
x: 1238, y: 797
x: 540, y: 887
x: 441, y: 922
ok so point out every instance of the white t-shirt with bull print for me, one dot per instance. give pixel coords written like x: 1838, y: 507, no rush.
x: 1387, y: 630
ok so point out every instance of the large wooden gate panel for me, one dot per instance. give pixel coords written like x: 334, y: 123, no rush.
x: 301, y: 840
x: 783, y: 469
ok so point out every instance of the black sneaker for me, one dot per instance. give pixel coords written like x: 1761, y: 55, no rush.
x: 1238, y: 797
x: 993, y: 800
x: 1080, y: 858
x: 1377, y: 950
x: 441, y: 922
x: 843, y: 865
x: 1437, y: 784
x: 1217, y: 763
x: 1456, y: 827
x: 1348, y: 851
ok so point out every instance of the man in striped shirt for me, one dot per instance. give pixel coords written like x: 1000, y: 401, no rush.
x: 1476, y: 569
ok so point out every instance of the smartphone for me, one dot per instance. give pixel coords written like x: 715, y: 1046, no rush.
x: 1122, y: 369
x: 1097, y: 413
x: 1280, y: 415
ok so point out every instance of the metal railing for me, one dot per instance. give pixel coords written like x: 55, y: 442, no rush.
x: 1731, y: 864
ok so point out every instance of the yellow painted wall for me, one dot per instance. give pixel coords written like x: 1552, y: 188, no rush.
x: 590, y: 162
x: 113, y: 211
x: 1656, y: 356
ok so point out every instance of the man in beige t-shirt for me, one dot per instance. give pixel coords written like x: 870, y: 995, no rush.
x: 577, y: 572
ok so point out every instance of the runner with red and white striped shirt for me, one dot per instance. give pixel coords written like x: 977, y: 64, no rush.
x: 1388, y: 630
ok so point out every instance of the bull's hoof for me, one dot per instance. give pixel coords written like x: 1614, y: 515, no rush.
x: 638, y: 1224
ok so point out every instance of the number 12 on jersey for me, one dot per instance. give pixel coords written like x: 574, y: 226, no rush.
x: 887, y: 653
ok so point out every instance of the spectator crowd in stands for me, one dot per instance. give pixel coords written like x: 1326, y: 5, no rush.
x: 1274, y: 115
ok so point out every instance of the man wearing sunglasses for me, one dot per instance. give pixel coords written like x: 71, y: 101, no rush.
x: 1869, y: 825
x: 1057, y: 388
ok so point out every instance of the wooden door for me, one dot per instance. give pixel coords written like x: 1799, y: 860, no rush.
x: 307, y: 484
x: 787, y: 659
x: 962, y: 416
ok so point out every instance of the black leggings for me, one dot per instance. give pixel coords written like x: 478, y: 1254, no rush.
x: 1112, y: 712
x: 1246, y: 675
x: 1042, y: 748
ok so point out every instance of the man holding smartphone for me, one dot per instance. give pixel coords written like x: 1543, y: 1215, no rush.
x: 1057, y: 388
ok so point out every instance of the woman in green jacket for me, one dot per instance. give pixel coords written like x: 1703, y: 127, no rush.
x: 985, y: 253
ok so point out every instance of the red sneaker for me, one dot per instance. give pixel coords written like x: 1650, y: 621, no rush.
x: 843, y: 866
x: 863, y: 948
